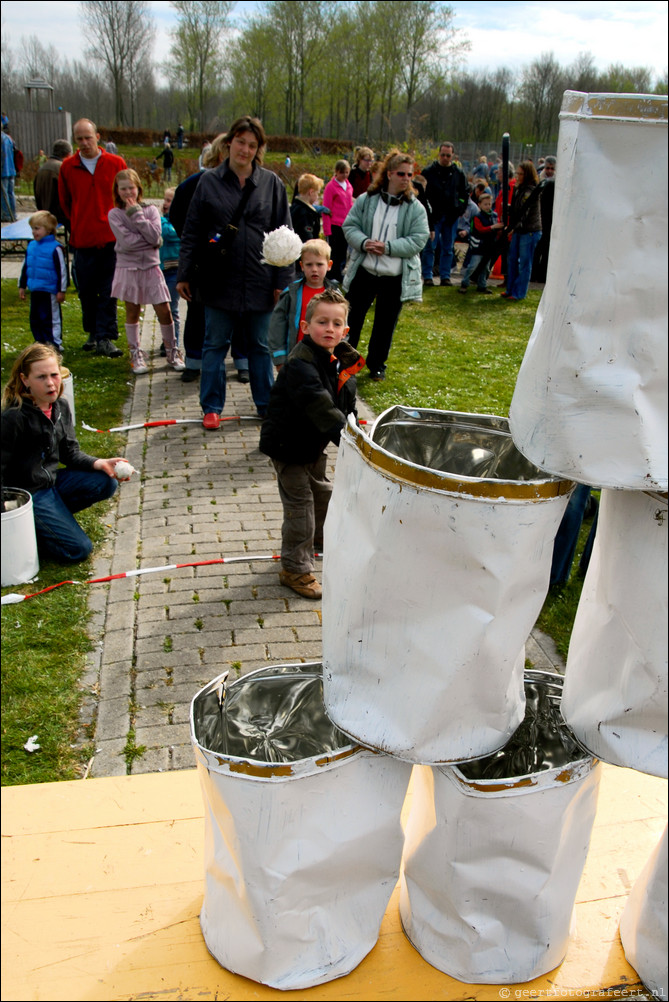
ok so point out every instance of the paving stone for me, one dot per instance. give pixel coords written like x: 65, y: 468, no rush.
x: 113, y: 720
x: 152, y: 760
x: 109, y: 759
x: 117, y: 646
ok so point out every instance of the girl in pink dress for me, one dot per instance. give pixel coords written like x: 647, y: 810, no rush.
x: 337, y: 199
x: 138, y: 279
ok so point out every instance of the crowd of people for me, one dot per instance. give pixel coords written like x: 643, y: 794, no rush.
x: 388, y: 229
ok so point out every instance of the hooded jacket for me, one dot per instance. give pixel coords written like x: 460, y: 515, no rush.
x: 309, y: 403
x: 412, y: 235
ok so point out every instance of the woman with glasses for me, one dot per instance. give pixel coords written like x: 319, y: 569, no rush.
x: 386, y: 229
x: 361, y: 174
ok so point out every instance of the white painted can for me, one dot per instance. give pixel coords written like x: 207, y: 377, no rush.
x: 301, y: 856
x: 20, y: 562
x: 431, y: 585
x: 615, y: 693
x: 68, y: 391
x: 590, y: 401
x: 491, y: 868
x: 643, y: 926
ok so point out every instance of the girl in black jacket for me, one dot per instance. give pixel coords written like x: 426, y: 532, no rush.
x: 38, y: 436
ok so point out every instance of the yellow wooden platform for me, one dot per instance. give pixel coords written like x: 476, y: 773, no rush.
x: 102, y: 884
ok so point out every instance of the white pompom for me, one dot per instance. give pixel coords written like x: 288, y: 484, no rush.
x: 123, y: 470
x: 281, y: 247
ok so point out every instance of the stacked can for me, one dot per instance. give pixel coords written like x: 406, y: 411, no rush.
x: 424, y: 625
x: 591, y: 403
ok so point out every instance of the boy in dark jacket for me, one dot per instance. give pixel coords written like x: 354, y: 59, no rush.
x: 309, y: 403
x: 482, y: 242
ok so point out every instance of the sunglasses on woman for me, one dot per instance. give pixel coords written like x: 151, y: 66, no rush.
x: 404, y: 173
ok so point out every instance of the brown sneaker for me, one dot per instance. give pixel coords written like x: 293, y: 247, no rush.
x: 305, y: 585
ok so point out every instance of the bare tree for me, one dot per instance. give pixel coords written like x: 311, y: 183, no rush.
x: 542, y: 88
x: 121, y: 34
x: 195, y: 56
x: 38, y: 61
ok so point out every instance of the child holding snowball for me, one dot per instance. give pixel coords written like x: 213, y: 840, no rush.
x: 37, y: 436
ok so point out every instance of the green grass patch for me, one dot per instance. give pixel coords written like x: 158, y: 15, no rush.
x: 45, y: 640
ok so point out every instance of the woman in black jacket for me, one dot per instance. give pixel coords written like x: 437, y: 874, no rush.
x: 232, y: 209
x: 525, y: 227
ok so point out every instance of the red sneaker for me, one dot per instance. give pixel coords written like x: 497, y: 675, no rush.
x: 211, y: 421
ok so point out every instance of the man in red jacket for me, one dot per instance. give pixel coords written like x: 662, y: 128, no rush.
x: 85, y: 191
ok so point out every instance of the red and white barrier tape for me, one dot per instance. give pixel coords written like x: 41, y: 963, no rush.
x: 14, y: 598
x: 160, y: 424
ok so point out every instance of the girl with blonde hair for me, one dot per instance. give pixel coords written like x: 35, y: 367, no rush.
x: 138, y: 279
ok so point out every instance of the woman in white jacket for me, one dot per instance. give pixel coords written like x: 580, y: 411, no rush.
x: 386, y: 229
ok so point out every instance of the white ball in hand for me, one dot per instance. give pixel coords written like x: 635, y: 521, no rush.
x: 123, y: 470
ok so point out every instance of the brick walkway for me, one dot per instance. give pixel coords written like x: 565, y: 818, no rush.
x: 199, y: 496
x: 159, y: 637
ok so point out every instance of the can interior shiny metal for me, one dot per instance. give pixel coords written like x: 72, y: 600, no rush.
x: 542, y: 742
x: 271, y: 715
x: 470, y: 445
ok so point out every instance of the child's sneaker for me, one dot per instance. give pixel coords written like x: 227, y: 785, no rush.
x: 175, y: 359
x: 138, y: 361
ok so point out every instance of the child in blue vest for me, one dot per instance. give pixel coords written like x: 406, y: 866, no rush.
x: 44, y: 274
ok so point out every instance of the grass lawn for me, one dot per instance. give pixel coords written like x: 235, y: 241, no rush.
x: 451, y: 352
x: 44, y: 641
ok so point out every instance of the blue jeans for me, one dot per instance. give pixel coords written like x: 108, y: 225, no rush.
x: 59, y: 535
x: 170, y: 276
x: 8, y: 200
x: 519, y: 269
x: 219, y: 327
x: 476, y: 261
x: 444, y: 235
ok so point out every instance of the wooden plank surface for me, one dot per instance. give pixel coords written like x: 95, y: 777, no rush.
x: 102, y: 883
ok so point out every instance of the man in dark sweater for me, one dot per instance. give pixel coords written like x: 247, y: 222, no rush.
x: 447, y: 195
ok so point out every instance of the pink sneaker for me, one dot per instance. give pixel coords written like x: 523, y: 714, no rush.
x: 175, y: 359
x: 138, y: 361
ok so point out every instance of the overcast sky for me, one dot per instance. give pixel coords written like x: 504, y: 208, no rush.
x: 504, y: 32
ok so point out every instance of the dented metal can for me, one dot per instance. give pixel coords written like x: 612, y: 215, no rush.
x: 438, y: 546
x: 495, y: 850
x: 643, y: 926
x: 616, y: 682
x: 590, y: 401
x: 20, y: 559
x: 302, y: 829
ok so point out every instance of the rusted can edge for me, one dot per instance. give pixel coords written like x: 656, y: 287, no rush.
x: 420, y: 476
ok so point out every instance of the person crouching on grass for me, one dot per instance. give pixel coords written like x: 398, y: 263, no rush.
x: 44, y: 274
x: 308, y: 406
x: 37, y: 437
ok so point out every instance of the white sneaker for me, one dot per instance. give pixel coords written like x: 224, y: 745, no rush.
x: 138, y: 361
x: 175, y: 359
